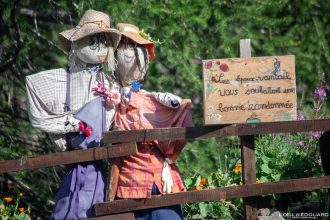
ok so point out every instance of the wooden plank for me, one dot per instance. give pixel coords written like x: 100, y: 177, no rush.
x: 249, y: 174
x: 250, y: 204
x: 216, y: 131
x: 125, y: 216
x: 68, y: 157
x: 249, y: 89
x: 245, y: 48
x: 126, y: 205
x: 113, y: 175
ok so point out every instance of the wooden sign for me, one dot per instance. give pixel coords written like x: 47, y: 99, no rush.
x: 255, y: 89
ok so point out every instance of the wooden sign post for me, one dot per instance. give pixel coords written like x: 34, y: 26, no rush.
x: 249, y: 89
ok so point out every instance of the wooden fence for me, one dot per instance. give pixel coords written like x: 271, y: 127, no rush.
x: 122, y: 209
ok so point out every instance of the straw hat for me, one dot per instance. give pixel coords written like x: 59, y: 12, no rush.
x: 92, y: 22
x: 132, y: 32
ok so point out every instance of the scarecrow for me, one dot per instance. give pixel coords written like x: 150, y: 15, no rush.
x: 152, y: 170
x: 79, y: 103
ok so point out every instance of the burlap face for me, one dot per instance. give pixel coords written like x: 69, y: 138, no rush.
x: 93, y: 49
x: 132, y: 64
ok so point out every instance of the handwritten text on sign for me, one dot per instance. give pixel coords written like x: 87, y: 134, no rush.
x: 256, y: 89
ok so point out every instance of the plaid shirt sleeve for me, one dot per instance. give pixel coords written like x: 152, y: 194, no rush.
x: 40, y: 114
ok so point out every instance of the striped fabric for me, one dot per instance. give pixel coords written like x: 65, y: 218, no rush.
x: 139, y: 171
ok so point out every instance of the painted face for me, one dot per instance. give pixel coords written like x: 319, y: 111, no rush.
x: 133, y: 63
x: 92, y: 49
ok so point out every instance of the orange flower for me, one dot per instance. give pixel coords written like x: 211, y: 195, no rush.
x: 21, y: 209
x: 8, y: 199
x: 202, y: 182
x: 238, y: 168
x: 196, y: 188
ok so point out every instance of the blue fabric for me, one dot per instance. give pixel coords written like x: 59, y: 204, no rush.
x: 84, y: 184
x: 164, y: 213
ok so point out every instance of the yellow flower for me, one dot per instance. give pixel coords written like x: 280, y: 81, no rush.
x: 21, y: 209
x: 238, y: 168
x: 21, y: 194
x: 8, y: 199
x: 258, y: 181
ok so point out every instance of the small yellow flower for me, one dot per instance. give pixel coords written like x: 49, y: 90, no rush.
x: 258, y: 181
x: 238, y: 168
x: 8, y: 199
x: 4, y: 213
x: 21, y: 209
x: 21, y: 194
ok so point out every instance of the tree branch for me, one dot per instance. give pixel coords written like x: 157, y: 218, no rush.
x: 50, y: 16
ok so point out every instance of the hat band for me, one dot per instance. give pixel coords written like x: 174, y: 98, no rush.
x: 101, y: 24
x: 130, y: 29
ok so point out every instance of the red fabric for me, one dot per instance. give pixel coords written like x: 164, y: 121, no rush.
x: 139, y: 171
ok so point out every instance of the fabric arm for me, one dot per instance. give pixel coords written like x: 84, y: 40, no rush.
x: 43, y: 118
x: 165, y: 98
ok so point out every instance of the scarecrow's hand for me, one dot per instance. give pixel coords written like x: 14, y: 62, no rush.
x: 168, y: 99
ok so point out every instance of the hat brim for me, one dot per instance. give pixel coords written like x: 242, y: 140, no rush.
x: 67, y: 37
x: 140, y: 40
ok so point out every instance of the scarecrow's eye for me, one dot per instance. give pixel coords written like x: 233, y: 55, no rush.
x: 93, y: 44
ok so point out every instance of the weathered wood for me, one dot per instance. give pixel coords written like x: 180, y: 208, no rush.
x: 226, y: 130
x: 125, y: 216
x: 249, y: 174
x: 126, y: 205
x: 245, y: 48
x: 250, y: 204
x: 113, y: 175
x: 68, y: 157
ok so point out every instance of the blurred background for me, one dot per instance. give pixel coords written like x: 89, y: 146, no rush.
x: 188, y: 31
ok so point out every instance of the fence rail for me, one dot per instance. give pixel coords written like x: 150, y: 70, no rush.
x: 248, y: 190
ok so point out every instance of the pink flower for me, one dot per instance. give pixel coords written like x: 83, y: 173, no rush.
x: 320, y: 93
x: 315, y: 134
x: 300, y: 117
x: 197, y: 99
x: 100, y: 89
x: 113, y: 98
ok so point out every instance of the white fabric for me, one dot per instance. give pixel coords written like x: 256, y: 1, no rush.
x: 47, y: 93
x: 127, y: 67
x: 92, y: 49
x: 167, y: 177
x: 164, y: 98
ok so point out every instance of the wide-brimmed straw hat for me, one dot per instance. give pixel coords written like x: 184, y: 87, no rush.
x: 92, y: 22
x: 133, y: 32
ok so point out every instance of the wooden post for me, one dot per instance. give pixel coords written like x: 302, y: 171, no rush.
x: 248, y: 153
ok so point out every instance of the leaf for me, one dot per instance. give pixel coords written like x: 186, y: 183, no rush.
x: 265, y: 168
x: 202, y: 209
x: 264, y: 179
x: 265, y: 159
x: 276, y: 177
x: 23, y: 216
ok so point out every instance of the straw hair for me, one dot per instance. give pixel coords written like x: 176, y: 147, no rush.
x: 92, y: 22
x: 133, y: 33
